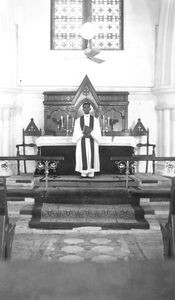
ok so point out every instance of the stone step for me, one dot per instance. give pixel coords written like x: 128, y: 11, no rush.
x: 20, y: 181
x: 86, y: 195
x: 98, y: 181
x: 54, y: 216
x: 152, y: 180
x: 158, y: 194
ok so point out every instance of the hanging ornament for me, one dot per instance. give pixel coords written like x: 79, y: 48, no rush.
x: 88, y: 31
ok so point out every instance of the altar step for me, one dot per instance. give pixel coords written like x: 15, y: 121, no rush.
x: 67, y: 216
x: 102, y: 189
x: 105, y: 201
x: 88, y: 195
x: 145, y: 181
x: 148, y: 180
x: 99, y: 181
x: 68, y: 207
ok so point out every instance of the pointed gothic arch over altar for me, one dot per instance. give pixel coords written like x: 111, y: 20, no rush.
x: 62, y: 107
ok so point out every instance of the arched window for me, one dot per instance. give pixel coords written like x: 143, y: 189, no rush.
x: 67, y: 17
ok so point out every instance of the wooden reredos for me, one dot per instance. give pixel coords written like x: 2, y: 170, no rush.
x: 62, y: 108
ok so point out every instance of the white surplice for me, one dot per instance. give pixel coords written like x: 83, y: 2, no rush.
x: 77, y: 136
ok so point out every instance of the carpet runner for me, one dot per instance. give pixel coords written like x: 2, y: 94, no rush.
x: 66, y: 216
x: 103, y: 201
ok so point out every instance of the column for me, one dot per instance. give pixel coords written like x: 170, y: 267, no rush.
x: 8, y: 124
x: 164, y: 87
x: 172, y: 132
x: 159, y: 134
x: 165, y: 56
x: 5, y: 114
x: 166, y: 132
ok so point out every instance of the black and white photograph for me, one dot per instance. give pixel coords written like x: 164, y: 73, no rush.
x: 87, y: 156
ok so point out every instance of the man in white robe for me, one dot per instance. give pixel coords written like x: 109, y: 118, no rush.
x: 87, y: 136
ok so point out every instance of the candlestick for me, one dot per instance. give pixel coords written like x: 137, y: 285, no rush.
x: 103, y: 121
x: 103, y: 124
x: 106, y: 125
x: 61, y: 121
x: 72, y: 122
x: 67, y: 125
x: 108, y: 121
x: 67, y: 122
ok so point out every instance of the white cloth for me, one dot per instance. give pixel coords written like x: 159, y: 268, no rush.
x: 77, y: 135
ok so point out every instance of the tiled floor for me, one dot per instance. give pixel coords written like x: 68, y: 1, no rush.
x: 90, y: 243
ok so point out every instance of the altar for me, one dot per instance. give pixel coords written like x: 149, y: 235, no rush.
x: 109, y: 146
x: 61, y: 108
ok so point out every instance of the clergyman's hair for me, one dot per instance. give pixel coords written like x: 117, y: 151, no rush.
x: 86, y: 102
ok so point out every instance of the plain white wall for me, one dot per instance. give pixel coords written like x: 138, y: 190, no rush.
x: 38, y: 65
x: 29, y: 67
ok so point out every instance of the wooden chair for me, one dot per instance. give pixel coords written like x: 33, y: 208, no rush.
x: 31, y: 130
x: 140, y: 130
x: 7, y: 229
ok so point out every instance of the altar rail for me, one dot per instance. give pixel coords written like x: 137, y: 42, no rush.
x: 47, y: 159
x: 127, y: 159
x: 139, y: 158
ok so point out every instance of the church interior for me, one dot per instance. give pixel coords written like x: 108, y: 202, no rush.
x: 61, y: 230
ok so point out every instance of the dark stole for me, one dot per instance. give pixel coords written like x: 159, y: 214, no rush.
x: 83, y: 146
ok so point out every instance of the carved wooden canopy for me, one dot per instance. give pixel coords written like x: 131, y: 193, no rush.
x: 61, y: 108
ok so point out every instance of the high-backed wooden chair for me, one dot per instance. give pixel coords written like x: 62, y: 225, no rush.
x: 33, y: 131
x: 7, y: 229
x: 140, y: 130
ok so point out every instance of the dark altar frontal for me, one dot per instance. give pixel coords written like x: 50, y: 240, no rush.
x: 63, y: 146
x: 67, y: 166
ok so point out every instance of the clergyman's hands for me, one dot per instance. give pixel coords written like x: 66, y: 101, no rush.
x: 87, y: 131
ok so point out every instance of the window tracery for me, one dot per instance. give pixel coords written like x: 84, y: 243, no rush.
x: 67, y: 17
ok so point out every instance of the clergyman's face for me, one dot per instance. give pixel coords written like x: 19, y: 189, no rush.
x: 86, y: 108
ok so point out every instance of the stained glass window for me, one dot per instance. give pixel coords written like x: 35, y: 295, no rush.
x: 67, y: 17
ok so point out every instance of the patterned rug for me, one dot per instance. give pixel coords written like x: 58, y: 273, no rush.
x: 65, y: 216
x: 88, y: 244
